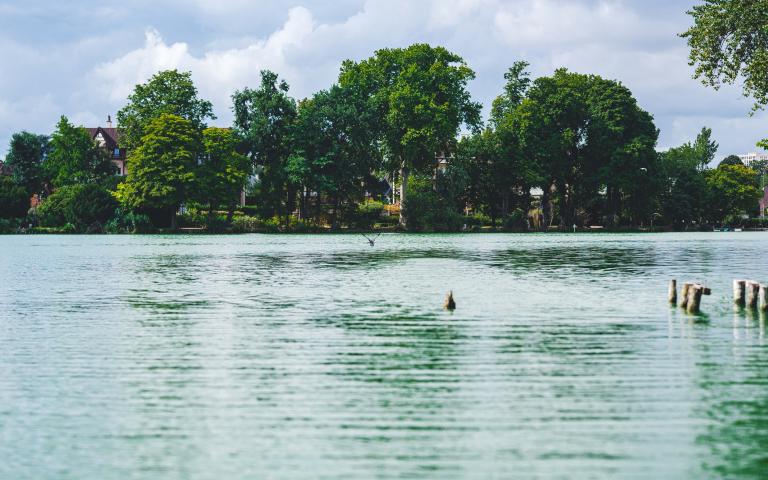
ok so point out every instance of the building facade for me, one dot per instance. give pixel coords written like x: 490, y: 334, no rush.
x: 109, y: 139
x: 748, y: 158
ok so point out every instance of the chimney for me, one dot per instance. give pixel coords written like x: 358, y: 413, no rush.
x: 109, y: 121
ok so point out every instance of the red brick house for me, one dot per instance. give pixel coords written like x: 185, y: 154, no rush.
x: 109, y: 138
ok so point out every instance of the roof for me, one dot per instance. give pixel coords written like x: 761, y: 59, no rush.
x: 111, y: 135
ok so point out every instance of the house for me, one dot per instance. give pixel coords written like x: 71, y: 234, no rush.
x: 109, y: 138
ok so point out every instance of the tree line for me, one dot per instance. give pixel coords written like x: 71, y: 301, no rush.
x: 564, y: 150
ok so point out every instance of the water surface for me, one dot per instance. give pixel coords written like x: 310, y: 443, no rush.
x: 270, y: 356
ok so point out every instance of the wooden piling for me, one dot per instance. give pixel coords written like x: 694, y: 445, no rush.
x: 450, y: 303
x: 694, y: 298
x: 739, y: 287
x: 684, y: 292
x: 753, y: 288
x: 763, y: 297
x: 673, y: 291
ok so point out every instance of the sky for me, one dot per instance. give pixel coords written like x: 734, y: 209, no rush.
x: 81, y: 59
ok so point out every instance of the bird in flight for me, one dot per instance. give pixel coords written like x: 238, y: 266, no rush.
x: 371, y: 241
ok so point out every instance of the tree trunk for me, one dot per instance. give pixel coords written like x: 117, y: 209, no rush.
x: 404, y: 173
x: 546, y: 207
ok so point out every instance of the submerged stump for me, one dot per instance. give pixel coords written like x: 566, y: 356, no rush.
x: 694, y: 298
x: 753, y: 289
x: 684, y: 292
x: 450, y: 303
x: 672, y: 291
x: 763, y: 297
x: 739, y: 287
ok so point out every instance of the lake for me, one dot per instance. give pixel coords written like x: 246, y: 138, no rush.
x: 301, y: 356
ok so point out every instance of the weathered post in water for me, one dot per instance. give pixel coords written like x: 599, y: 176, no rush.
x: 694, y: 298
x: 684, y: 294
x: 753, y: 288
x: 763, y: 298
x: 449, y: 304
x: 738, y: 292
x: 673, y: 291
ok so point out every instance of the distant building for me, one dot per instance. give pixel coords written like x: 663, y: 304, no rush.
x: 748, y: 158
x: 109, y: 138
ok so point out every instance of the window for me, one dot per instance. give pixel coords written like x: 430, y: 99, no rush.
x: 117, y: 153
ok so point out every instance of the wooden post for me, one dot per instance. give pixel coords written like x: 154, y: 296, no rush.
x: 738, y: 292
x: 449, y: 304
x: 763, y: 298
x: 673, y: 291
x: 694, y: 298
x: 684, y: 292
x: 753, y: 288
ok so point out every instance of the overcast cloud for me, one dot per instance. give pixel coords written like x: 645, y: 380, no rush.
x: 81, y: 59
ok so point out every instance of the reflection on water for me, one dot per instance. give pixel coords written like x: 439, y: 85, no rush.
x: 319, y: 356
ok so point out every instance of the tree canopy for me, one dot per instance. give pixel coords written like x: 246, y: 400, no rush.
x: 26, y: 154
x: 75, y: 158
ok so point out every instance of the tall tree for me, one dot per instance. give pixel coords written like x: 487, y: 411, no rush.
x: 335, y: 152
x: 732, y: 189
x: 421, y: 95
x: 26, y: 155
x: 730, y: 160
x: 74, y: 158
x: 167, y: 92
x: 264, y: 119
x: 729, y: 42
x: 163, y: 167
x: 223, y: 172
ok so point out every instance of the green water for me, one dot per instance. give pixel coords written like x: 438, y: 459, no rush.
x: 228, y: 357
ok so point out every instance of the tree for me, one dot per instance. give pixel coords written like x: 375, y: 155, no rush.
x: 420, y: 94
x: 732, y: 190
x: 26, y: 155
x: 75, y: 158
x: 14, y: 200
x: 730, y: 160
x: 223, y: 171
x: 264, y: 120
x: 335, y: 153
x: 167, y: 92
x: 163, y: 167
x: 729, y: 42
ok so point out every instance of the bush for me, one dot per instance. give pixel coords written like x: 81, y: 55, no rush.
x: 364, y: 215
x: 10, y: 225
x: 80, y: 205
x: 426, y: 211
x: 128, y: 222
x: 516, y: 221
x: 14, y: 201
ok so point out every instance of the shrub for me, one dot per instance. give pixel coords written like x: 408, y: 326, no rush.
x: 426, y: 211
x: 364, y: 215
x: 517, y: 220
x: 14, y: 201
x: 128, y: 222
x: 90, y: 204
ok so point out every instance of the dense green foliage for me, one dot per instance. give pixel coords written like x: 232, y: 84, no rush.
x: 729, y: 43
x: 730, y: 160
x: 74, y: 158
x: 25, y: 156
x: 558, y: 151
x: 14, y: 201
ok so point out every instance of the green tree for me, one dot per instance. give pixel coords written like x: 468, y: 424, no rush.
x: 26, y: 155
x: 223, y: 171
x: 75, y: 158
x: 730, y: 160
x: 167, y: 92
x: 163, y: 167
x: 335, y: 152
x: 732, y: 190
x: 729, y: 43
x: 683, y: 197
x: 420, y: 94
x: 14, y: 200
x: 264, y: 119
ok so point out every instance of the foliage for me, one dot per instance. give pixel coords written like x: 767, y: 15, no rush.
x: 126, y: 221
x: 365, y: 215
x: 421, y: 100
x: 223, y: 172
x: 14, y: 201
x: 263, y: 120
x: 82, y: 206
x: 168, y: 92
x: 732, y: 190
x: 729, y: 43
x: 26, y: 154
x: 427, y: 211
x: 75, y: 158
x: 162, y: 172
x: 730, y: 160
